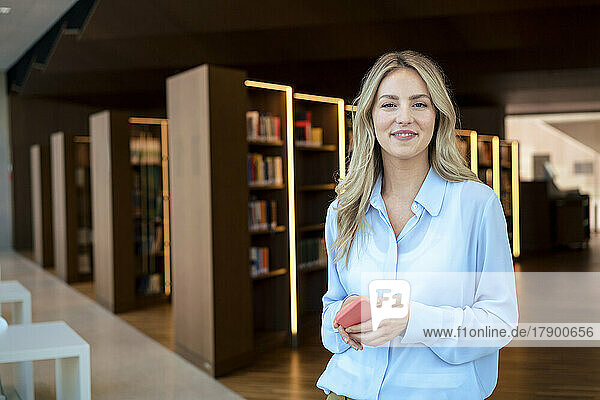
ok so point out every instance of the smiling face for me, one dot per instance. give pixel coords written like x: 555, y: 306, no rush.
x: 403, y: 115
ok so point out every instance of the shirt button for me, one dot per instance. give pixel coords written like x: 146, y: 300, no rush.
x: 414, y: 207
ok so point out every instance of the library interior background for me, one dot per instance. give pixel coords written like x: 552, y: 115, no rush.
x: 166, y: 168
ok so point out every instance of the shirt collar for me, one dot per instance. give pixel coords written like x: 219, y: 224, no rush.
x: 430, y: 196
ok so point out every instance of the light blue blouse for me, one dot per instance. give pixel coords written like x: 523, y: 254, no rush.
x: 457, y: 227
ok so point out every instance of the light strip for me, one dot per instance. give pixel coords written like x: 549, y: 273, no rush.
x: 289, y: 100
x: 146, y: 121
x: 81, y: 139
x: 351, y: 107
x: 496, y: 165
x: 474, y: 166
x: 342, y: 168
x: 313, y: 97
x: 266, y: 85
x: 515, y: 199
x: 166, y: 208
x: 342, y: 138
x: 292, y: 212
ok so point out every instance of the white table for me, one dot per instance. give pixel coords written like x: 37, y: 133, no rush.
x: 43, y: 341
x: 19, y: 298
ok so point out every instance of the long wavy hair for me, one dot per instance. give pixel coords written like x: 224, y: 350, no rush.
x: 354, y: 191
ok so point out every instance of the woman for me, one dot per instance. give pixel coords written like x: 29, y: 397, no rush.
x: 409, y: 206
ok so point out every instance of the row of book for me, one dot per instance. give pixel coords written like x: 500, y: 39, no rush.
x: 262, y: 127
x: 84, y: 261
x: 312, y: 252
x: 262, y: 214
x: 150, y: 284
x: 315, y: 138
x: 84, y: 236
x: 505, y: 156
x: 506, y: 191
x: 147, y: 196
x: 304, y: 132
x: 259, y: 261
x: 484, y: 153
x: 145, y: 150
x: 82, y: 177
x: 264, y: 170
x: 147, y: 238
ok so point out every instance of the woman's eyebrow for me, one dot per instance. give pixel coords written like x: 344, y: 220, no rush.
x: 413, y: 97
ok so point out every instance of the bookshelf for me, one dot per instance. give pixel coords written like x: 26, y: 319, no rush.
x: 130, y: 210
x: 319, y: 153
x: 148, y: 149
x: 268, y: 128
x: 488, y: 159
x: 71, y: 206
x: 509, y: 190
x: 496, y: 163
x: 213, y: 292
x: 467, y: 145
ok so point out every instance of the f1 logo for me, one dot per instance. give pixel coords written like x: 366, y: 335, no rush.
x: 381, y: 298
x: 389, y: 299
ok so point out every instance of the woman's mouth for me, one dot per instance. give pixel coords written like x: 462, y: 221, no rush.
x: 404, y: 134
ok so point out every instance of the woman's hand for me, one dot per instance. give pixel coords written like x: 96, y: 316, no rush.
x: 345, y: 337
x: 388, y: 329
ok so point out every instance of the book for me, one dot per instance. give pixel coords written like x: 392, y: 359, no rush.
x: 316, y: 136
x: 312, y: 252
x: 264, y: 170
x: 259, y: 261
x: 262, y: 127
x: 262, y: 214
x: 302, y: 125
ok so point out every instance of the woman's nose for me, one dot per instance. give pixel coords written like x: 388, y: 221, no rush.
x: 403, y: 115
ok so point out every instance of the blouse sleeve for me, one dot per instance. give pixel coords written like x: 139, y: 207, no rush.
x: 495, y: 299
x: 335, y: 295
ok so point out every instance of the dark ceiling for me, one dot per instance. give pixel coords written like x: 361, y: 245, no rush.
x: 494, y: 52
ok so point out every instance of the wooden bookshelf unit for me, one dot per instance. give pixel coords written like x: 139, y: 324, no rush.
x: 509, y: 191
x: 267, y: 134
x: 496, y: 163
x: 350, y: 109
x: 130, y: 193
x: 212, y: 288
x: 71, y: 206
x: 248, y: 198
x: 320, y: 143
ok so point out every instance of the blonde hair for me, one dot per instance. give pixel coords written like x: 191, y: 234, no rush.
x: 354, y: 191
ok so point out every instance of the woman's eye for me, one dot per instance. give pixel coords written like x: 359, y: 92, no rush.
x: 387, y: 105
x: 420, y: 105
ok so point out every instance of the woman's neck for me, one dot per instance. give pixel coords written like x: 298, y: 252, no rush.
x: 402, y: 179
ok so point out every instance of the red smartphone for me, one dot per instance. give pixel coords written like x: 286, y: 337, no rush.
x: 359, y: 310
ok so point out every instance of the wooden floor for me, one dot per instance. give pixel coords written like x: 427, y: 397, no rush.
x: 524, y: 373
x: 156, y: 321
